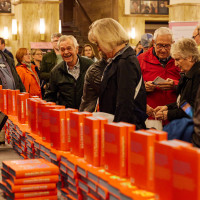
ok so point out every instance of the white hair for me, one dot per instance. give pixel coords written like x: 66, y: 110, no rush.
x: 162, y: 31
x: 66, y: 37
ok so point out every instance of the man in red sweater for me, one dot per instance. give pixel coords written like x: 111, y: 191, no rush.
x: 158, y: 62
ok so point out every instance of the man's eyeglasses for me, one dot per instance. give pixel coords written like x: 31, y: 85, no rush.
x: 160, y: 46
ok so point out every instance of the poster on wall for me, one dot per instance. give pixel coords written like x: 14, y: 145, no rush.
x: 5, y: 6
x: 146, y: 7
x: 182, y: 29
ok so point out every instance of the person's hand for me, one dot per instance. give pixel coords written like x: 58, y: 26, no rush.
x: 160, y: 108
x: 150, y: 111
x: 150, y: 87
x: 167, y: 85
x: 161, y: 115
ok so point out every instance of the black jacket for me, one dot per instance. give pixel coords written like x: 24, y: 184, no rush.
x: 187, y: 88
x: 18, y: 82
x: 64, y: 88
x: 8, y: 53
x: 47, y: 64
x: 91, y: 87
x: 118, y: 89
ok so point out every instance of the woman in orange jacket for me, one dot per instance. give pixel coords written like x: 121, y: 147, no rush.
x: 27, y: 73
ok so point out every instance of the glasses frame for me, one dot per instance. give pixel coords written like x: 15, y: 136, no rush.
x: 165, y: 46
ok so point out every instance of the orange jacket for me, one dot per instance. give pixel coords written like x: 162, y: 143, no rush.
x: 29, y: 80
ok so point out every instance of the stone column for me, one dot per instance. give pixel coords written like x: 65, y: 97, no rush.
x: 184, y: 10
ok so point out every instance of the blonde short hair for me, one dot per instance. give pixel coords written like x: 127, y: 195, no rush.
x: 108, y: 33
x: 186, y: 47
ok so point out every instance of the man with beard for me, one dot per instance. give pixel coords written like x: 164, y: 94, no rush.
x: 67, y: 78
x: 50, y: 59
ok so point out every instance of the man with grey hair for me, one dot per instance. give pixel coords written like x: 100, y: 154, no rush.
x: 157, y: 62
x: 67, y: 78
x: 50, y: 59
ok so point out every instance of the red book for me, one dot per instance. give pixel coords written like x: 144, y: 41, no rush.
x: 5, y: 101
x: 91, y: 138
x: 186, y: 173
x: 1, y: 98
x: 164, y: 155
x: 28, y: 188
x: 30, y: 168
x: 46, y: 120
x: 41, y: 198
x: 39, y: 115
x: 141, y: 159
x: 102, y: 122
x: 115, y: 148
x: 22, y: 107
x: 76, y: 132
x: 12, y: 102
x: 59, y: 128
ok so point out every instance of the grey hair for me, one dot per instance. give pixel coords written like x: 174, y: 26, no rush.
x: 58, y: 35
x: 66, y: 37
x: 162, y: 31
x: 108, y: 33
x: 186, y: 47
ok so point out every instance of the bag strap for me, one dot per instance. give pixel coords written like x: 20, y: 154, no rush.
x: 137, y: 89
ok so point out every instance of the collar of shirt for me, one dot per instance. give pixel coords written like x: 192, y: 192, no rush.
x: 76, y: 66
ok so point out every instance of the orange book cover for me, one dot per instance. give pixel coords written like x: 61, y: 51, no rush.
x: 22, y: 108
x: 67, y: 125
x: 27, y: 195
x: 33, y: 114
x: 30, y: 168
x: 46, y: 121
x: 34, y: 180
x: 163, y: 167
x: 52, y: 197
x: 59, y: 119
x: 142, y: 159
x: 5, y: 101
x: 129, y: 128
x: 28, y: 188
x: 10, y: 93
x: 186, y: 173
x: 76, y: 132
x: 57, y: 128
x: 115, y: 148
x: 91, y: 138
x: 39, y: 115
x: 102, y: 122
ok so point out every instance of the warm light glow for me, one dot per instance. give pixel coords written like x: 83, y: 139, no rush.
x: 14, y: 26
x: 60, y: 27
x: 132, y: 33
x: 42, y: 26
x: 5, y: 33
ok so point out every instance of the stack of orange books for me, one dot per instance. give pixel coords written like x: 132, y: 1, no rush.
x: 30, y: 179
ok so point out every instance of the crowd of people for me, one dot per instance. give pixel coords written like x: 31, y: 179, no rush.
x: 151, y: 81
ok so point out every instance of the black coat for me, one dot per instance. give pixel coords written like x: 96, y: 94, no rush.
x: 64, y: 88
x: 91, y: 87
x: 187, y: 88
x: 18, y: 82
x: 118, y: 89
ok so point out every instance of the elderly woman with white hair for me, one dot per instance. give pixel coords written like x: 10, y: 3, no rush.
x: 122, y: 91
x: 187, y: 58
